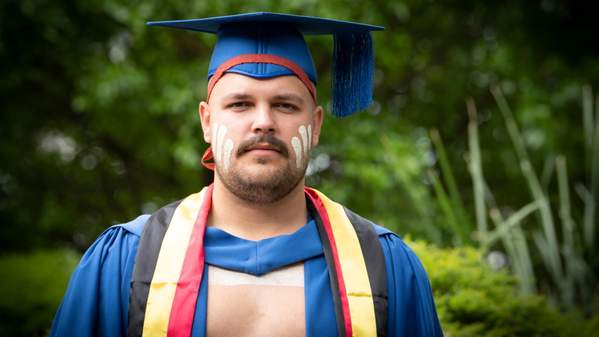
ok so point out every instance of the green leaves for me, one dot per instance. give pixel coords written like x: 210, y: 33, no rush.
x: 32, y: 287
x: 472, y: 300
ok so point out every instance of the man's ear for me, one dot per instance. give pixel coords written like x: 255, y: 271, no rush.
x: 204, y: 113
x: 317, y: 119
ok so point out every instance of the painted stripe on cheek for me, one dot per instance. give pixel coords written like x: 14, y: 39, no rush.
x: 222, y: 130
x: 297, y: 147
x: 228, y: 152
x: 215, y: 128
x: 302, y: 132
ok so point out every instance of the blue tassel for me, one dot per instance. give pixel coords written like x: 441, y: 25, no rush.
x: 353, y: 69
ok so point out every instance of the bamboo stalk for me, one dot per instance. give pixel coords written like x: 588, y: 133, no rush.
x: 476, y: 171
x: 543, y: 248
x: 547, y: 173
x: 568, y: 228
x: 516, y: 259
x: 568, y: 225
x: 445, y: 205
x: 449, y: 178
x: 591, y: 146
x: 513, y: 221
x: 587, y: 116
x: 528, y: 285
x: 551, y: 254
x: 590, y: 221
x: 514, y: 242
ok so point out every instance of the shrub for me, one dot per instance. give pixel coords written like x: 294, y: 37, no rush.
x: 33, y: 285
x: 473, y: 300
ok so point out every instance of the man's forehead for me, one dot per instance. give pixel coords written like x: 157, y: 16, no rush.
x: 233, y: 86
x: 291, y: 96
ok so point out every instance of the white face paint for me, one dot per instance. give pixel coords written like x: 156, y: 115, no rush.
x: 297, y: 148
x: 220, y: 137
x: 302, y: 146
x: 228, y: 152
x: 215, y: 127
x: 303, y: 134
x: 222, y: 148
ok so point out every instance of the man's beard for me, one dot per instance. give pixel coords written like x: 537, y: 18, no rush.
x: 270, y: 186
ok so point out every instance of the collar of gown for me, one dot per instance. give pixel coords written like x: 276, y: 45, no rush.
x: 260, y: 257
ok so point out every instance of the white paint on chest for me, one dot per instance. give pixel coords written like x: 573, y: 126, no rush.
x: 292, y: 276
x: 270, y: 305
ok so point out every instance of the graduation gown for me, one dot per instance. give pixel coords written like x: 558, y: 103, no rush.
x: 97, y: 298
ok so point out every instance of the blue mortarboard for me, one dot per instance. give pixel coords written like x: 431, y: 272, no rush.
x: 265, y: 45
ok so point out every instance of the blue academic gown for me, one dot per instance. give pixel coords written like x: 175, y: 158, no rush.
x: 97, y: 297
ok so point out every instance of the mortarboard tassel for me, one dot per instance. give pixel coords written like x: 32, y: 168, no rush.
x: 353, y: 68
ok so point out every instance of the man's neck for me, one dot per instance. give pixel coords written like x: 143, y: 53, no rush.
x: 253, y: 221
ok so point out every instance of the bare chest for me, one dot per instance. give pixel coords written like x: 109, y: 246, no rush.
x: 245, y: 305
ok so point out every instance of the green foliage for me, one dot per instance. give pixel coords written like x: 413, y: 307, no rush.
x: 32, y: 287
x: 101, y: 110
x: 564, y: 271
x: 99, y: 119
x: 473, y: 300
x: 369, y: 161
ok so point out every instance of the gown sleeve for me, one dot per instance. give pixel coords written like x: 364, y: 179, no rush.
x: 411, y: 308
x: 97, y: 297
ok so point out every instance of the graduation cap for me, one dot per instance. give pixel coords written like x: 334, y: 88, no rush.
x: 265, y: 45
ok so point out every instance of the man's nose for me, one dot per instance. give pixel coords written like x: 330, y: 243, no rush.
x: 264, y: 121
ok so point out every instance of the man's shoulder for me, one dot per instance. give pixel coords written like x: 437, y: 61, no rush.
x: 135, y: 226
x: 379, y: 230
x: 392, y: 244
x: 388, y: 237
x: 118, y: 239
x: 382, y: 231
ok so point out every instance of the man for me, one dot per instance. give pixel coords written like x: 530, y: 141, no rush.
x: 257, y: 253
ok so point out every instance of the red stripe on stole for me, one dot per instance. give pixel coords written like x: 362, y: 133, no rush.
x: 184, y: 303
x: 327, y: 227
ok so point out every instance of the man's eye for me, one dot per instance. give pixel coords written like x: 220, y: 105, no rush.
x: 238, y: 105
x: 286, y: 107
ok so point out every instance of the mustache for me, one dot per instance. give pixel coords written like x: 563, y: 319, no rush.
x: 269, y: 139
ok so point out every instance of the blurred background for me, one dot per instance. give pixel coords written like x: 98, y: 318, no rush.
x: 481, y: 148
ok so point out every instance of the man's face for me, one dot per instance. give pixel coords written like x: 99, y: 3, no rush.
x: 261, y: 133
